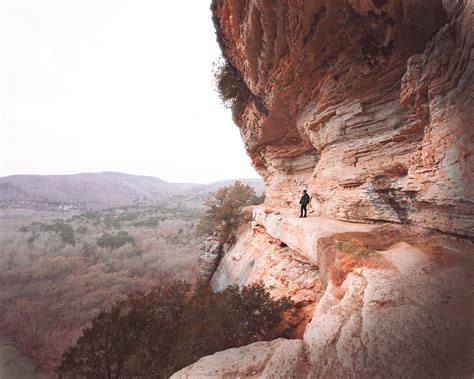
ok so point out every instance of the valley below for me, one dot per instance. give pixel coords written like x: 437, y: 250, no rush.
x: 365, y: 106
x: 58, y: 271
x: 60, y: 268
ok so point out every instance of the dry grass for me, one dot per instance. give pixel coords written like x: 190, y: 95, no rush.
x: 354, y: 247
x: 438, y: 254
x: 343, y: 266
x: 351, y: 254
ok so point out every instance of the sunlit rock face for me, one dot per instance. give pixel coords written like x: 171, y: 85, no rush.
x: 276, y: 359
x: 368, y: 104
x: 404, y: 311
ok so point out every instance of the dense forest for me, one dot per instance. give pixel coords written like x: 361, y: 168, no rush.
x: 57, y: 273
x: 62, y: 272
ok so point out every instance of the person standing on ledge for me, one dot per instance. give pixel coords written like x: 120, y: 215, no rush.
x: 304, y: 201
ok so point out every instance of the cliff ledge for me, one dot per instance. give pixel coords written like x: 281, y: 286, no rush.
x: 368, y: 104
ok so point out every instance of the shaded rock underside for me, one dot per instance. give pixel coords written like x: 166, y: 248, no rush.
x: 368, y: 104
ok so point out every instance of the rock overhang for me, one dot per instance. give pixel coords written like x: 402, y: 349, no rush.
x: 359, y: 106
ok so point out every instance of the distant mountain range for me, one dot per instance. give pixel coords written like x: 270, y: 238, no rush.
x: 90, y: 191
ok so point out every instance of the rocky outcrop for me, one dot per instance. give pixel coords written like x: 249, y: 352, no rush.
x: 257, y: 256
x: 260, y: 257
x: 402, y: 308
x: 261, y: 359
x: 368, y: 104
x: 210, y: 255
x: 413, y: 320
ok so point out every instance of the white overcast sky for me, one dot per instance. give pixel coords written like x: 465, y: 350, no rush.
x: 126, y: 86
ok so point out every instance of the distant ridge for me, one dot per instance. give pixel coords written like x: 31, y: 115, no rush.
x: 89, y: 191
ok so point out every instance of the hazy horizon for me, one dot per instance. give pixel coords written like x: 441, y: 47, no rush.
x: 117, y: 86
x: 127, y: 173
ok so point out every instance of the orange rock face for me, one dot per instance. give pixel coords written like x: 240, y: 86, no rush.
x: 371, y: 300
x: 367, y: 104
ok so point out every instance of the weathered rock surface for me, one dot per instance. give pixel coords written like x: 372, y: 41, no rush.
x: 285, y: 272
x: 259, y: 257
x: 413, y: 323
x: 279, y: 358
x: 407, y: 312
x: 369, y: 104
x: 210, y: 255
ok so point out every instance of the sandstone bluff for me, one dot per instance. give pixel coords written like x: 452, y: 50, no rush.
x: 369, y: 105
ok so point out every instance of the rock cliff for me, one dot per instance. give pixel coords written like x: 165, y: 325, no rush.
x: 371, y: 300
x: 368, y: 104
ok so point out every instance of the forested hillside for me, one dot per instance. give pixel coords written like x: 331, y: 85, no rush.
x: 57, y: 273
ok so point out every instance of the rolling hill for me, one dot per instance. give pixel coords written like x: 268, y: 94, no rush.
x: 91, y: 191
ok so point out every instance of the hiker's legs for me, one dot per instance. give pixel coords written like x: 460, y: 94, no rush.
x: 301, y: 210
x: 304, y: 208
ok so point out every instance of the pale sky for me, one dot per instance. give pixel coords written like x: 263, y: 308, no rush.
x: 90, y: 86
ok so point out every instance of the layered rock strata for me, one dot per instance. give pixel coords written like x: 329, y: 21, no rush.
x: 368, y: 104
x: 404, y: 311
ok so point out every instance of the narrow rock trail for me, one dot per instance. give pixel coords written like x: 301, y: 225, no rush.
x: 407, y: 300
x: 367, y: 105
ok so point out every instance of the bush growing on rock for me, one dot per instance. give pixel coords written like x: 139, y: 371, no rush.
x: 230, y: 86
x: 222, y: 213
x: 218, y: 321
x: 159, y: 332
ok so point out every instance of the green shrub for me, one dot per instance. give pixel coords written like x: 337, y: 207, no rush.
x: 128, y: 216
x: 258, y: 199
x: 159, y: 332
x: 150, y: 222
x: 114, y: 241
x: 230, y: 86
x: 231, y: 318
x: 64, y: 230
x: 222, y: 210
x: 82, y: 229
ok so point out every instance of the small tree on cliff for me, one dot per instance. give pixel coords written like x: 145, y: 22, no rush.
x: 222, y: 214
x: 130, y: 340
x: 230, y: 86
x: 154, y: 334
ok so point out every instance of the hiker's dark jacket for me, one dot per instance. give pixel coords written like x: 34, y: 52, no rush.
x: 304, y: 199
